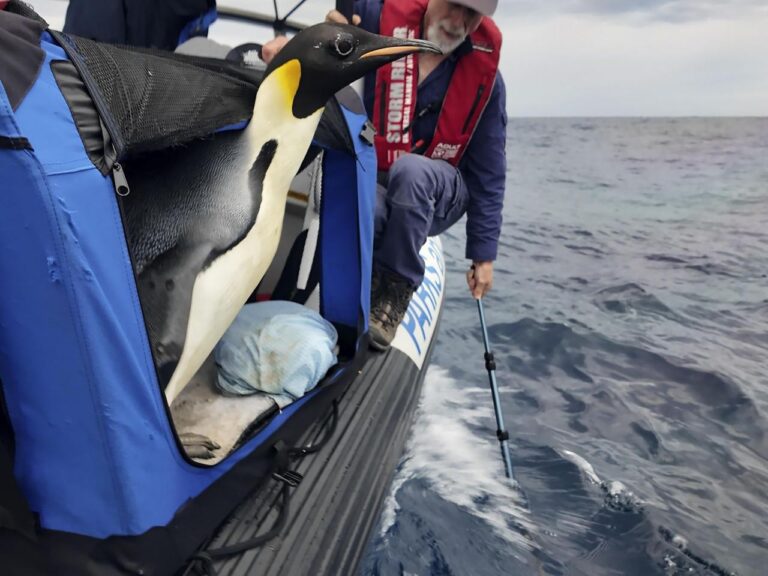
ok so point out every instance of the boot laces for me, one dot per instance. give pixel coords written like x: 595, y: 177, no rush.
x: 393, y: 301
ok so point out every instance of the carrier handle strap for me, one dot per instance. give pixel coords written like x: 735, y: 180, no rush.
x: 290, y: 479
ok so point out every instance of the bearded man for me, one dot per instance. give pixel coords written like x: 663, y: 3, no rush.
x: 441, y: 154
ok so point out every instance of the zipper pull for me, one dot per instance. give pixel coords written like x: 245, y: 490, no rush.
x: 121, y: 182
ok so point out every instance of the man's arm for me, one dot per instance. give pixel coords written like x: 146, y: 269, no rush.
x: 484, y: 169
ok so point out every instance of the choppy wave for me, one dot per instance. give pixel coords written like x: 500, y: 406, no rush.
x: 630, y: 326
x: 453, y: 458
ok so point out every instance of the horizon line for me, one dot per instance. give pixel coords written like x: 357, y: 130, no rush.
x: 638, y: 117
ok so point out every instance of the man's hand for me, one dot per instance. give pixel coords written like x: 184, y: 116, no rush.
x: 336, y: 17
x: 271, y: 48
x: 480, y: 278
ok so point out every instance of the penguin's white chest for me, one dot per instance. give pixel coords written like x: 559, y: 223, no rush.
x: 221, y: 290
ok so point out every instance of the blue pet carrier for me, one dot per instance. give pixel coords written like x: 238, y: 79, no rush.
x: 99, y: 482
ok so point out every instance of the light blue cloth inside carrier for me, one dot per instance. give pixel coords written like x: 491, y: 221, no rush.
x: 281, y: 348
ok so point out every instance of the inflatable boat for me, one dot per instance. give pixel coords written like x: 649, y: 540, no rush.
x: 101, y: 472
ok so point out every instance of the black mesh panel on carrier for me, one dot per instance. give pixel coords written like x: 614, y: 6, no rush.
x: 151, y: 100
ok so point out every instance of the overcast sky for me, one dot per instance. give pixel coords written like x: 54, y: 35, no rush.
x: 635, y: 57
x: 610, y: 57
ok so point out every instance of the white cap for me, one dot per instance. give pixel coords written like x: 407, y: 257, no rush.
x: 485, y: 7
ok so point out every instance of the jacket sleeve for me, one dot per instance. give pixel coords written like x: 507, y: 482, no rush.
x: 146, y: 23
x: 369, y: 12
x: 484, y: 168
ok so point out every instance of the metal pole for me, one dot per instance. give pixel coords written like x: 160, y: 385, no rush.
x: 490, y: 365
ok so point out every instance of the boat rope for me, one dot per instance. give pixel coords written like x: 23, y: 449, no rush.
x: 290, y: 479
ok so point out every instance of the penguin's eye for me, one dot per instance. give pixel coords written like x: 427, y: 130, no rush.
x: 344, y: 44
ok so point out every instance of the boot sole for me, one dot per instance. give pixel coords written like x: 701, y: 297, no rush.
x: 378, y: 346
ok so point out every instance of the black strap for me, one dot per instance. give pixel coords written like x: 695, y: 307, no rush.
x: 286, y: 287
x: 207, y: 557
x: 290, y: 479
x: 329, y: 432
x: 15, y: 143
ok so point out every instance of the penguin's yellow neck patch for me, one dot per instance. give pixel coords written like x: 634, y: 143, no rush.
x: 288, y: 77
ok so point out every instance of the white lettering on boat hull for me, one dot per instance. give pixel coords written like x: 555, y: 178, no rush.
x: 418, y: 327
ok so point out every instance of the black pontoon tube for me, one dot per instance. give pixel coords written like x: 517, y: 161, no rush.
x: 490, y: 365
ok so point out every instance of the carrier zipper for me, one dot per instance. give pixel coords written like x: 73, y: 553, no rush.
x: 474, y: 107
x: 118, y: 174
x: 121, y: 182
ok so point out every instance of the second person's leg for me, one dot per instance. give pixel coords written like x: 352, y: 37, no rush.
x: 423, y: 198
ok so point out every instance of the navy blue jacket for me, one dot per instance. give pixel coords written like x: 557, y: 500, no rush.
x: 160, y: 24
x: 484, y: 164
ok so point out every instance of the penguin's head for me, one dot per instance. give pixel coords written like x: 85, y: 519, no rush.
x: 322, y: 59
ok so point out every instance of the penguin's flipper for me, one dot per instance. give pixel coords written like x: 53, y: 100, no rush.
x: 165, y: 289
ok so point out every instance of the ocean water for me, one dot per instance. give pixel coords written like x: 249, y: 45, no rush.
x: 629, y: 320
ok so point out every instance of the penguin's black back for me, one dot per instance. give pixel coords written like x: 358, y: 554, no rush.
x: 187, y: 205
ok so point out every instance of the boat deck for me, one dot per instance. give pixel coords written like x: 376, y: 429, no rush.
x: 334, y: 509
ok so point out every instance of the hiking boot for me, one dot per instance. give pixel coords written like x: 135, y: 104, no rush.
x: 390, y: 296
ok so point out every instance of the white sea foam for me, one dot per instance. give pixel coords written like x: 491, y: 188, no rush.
x: 617, y: 495
x: 461, y: 465
x: 586, y: 468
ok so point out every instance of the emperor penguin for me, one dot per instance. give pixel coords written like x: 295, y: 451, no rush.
x: 204, y: 221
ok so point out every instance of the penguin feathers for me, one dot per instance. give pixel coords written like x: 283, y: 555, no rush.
x: 203, y: 221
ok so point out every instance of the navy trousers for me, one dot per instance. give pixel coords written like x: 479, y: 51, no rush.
x: 423, y: 197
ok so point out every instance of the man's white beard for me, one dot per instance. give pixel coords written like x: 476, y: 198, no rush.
x: 435, y: 35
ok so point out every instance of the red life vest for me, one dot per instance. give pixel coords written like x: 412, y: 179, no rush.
x: 396, y: 84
